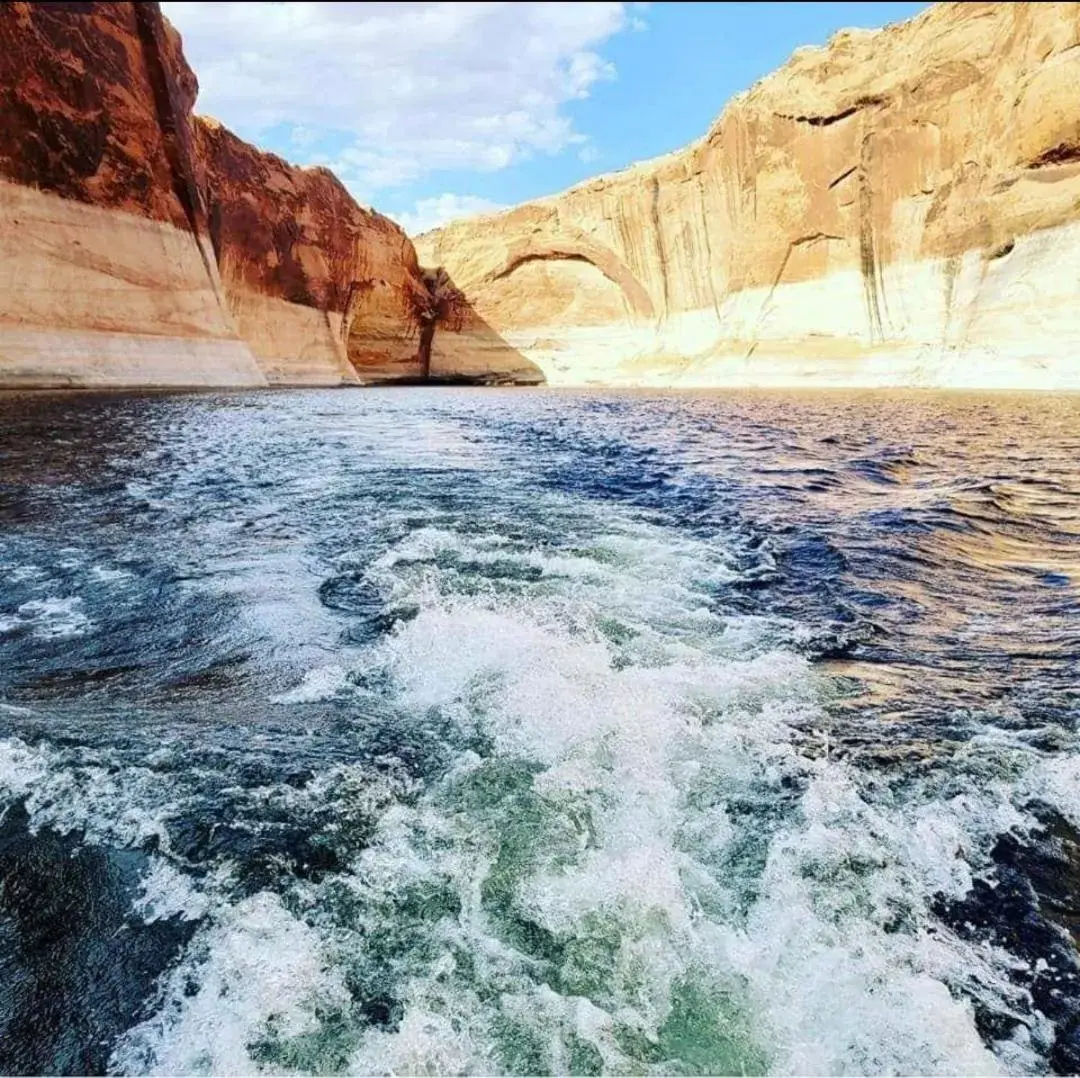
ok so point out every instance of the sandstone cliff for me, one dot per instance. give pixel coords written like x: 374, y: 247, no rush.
x: 899, y: 207
x: 314, y: 282
x: 139, y: 246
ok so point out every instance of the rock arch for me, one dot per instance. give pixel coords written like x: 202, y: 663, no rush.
x: 580, y: 249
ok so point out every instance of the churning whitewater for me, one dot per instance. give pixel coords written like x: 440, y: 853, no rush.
x: 502, y: 733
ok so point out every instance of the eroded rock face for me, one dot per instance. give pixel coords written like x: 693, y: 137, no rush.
x: 899, y: 207
x: 139, y: 246
x: 311, y: 278
x: 456, y: 345
x: 103, y: 279
x: 95, y: 100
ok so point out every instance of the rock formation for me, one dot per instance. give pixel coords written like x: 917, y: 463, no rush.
x: 899, y: 207
x: 139, y: 246
x: 311, y: 279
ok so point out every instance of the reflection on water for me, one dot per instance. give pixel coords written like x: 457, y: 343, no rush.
x: 457, y: 731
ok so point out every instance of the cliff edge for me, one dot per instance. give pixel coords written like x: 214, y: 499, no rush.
x: 141, y: 246
x: 899, y: 207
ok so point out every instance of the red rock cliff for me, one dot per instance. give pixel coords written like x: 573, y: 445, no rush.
x: 140, y: 246
x: 95, y: 100
x: 313, y: 280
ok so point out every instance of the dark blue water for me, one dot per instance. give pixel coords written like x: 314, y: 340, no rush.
x: 539, y: 732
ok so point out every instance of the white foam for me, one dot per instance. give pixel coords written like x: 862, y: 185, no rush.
x: 106, y: 575
x: 840, y: 964
x: 22, y: 574
x: 670, y: 836
x: 425, y: 1043
x: 165, y: 892
x: 1056, y: 781
x: 652, y: 752
x: 53, y: 618
x: 22, y: 769
x: 126, y: 806
x: 322, y: 683
x: 255, y: 965
x: 839, y: 989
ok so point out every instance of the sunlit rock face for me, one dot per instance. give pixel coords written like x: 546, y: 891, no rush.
x: 105, y: 275
x: 313, y: 281
x: 142, y: 246
x: 899, y: 207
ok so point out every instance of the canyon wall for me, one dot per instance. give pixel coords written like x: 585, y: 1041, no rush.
x: 142, y: 246
x: 314, y: 282
x: 898, y: 207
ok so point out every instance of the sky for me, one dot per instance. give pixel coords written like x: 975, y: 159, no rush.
x: 433, y: 111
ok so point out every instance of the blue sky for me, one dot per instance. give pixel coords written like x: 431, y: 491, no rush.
x: 430, y: 111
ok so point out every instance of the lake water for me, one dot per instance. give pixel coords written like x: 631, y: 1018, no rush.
x: 482, y: 731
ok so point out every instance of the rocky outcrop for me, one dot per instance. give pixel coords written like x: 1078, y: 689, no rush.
x: 899, y: 207
x: 456, y: 344
x: 139, y: 246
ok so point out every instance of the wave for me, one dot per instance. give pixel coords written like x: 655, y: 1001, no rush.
x: 559, y: 799
x: 624, y: 860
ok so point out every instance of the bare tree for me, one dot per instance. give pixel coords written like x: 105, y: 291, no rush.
x: 435, y: 300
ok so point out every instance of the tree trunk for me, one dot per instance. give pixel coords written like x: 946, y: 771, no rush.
x: 427, y: 335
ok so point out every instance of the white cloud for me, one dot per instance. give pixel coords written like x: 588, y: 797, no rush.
x: 412, y: 87
x: 429, y: 213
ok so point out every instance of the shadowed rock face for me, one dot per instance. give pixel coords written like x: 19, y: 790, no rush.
x: 142, y: 246
x: 897, y: 207
x: 438, y: 303
x: 454, y: 344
